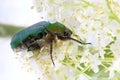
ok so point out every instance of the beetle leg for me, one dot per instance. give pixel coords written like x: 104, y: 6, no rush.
x: 78, y: 41
x: 33, y: 47
x: 51, y: 50
x: 51, y: 45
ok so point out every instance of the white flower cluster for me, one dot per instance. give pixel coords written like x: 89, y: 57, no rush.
x: 95, y: 22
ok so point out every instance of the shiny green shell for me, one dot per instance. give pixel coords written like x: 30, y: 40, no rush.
x: 34, y: 30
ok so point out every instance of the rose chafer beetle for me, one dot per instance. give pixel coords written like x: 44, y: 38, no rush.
x: 41, y: 34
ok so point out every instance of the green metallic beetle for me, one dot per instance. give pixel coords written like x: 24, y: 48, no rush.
x: 40, y: 34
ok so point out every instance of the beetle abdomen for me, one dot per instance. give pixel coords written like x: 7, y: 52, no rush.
x: 34, y: 31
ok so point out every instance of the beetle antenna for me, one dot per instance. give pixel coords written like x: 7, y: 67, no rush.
x: 78, y: 41
x: 51, y: 50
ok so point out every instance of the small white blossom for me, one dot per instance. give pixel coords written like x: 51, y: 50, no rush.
x: 95, y: 62
x: 114, y: 67
x: 82, y: 77
x: 111, y: 73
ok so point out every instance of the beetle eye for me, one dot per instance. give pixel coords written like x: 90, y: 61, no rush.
x: 66, y: 34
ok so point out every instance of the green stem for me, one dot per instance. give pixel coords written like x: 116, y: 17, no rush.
x: 112, y: 13
x: 82, y: 71
x: 89, y: 3
x: 107, y: 60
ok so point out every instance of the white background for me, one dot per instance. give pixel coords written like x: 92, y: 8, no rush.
x: 15, y: 12
x: 18, y: 12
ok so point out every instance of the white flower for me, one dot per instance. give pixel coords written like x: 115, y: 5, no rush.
x: 91, y: 59
x: 85, y: 58
x: 111, y: 73
x: 82, y: 77
x: 95, y: 62
x: 114, y: 67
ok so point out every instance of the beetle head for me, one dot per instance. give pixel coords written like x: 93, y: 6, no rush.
x: 62, y: 32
